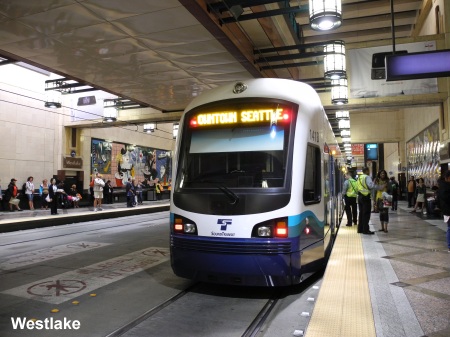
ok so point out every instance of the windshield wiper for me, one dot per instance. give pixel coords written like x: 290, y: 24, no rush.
x: 234, y: 199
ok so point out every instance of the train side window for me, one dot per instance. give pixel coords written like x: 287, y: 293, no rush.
x: 313, y: 183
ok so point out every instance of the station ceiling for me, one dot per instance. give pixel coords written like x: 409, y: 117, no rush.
x: 161, y: 54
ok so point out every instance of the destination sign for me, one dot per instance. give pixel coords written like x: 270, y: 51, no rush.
x: 238, y: 117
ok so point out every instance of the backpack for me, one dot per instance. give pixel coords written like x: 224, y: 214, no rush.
x: 24, y: 188
x: 91, y: 184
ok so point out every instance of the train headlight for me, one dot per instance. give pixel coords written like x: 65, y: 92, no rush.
x: 190, y: 228
x: 273, y: 228
x: 265, y: 231
x: 182, y: 225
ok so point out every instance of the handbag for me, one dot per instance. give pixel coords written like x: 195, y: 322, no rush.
x: 48, y: 199
x: 14, y: 201
x: 420, y: 197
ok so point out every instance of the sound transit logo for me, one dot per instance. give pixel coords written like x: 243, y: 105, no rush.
x: 224, y: 223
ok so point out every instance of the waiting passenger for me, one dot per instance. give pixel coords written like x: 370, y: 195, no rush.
x: 139, y: 192
x: 11, y: 195
x: 52, y: 201
x: 29, y: 192
x: 382, y: 180
x: 108, y: 192
x: 74, y: 196
x: 98, y: 192
x: 43, y: 192
x: 421, y: 195
x: 129, y: 188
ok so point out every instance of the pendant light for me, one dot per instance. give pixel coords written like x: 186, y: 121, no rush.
x: 325, y: 14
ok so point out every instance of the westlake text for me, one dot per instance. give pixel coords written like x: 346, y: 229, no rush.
x: 47, y: 324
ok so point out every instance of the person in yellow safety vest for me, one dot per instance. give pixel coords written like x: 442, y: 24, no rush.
x: 350, y: 194
x: 364, y: 185
x: 159, y: 188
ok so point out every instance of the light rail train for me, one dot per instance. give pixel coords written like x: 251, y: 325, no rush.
x: 256, y: 197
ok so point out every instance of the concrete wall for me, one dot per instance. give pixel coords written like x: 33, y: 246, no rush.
x: 34, y: 139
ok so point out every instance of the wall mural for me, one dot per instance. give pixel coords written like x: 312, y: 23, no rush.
x: 100, y: 156
x: 117, y: 162
x: 423, y: 155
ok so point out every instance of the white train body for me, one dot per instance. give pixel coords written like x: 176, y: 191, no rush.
x: 255, y: 188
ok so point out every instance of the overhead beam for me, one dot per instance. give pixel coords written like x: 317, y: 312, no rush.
x: 223, y: 6
x: 265, y: 14
x: 290, y: 65
x: 374, y: 104
x: 169, y: 117
x: 289, y: 57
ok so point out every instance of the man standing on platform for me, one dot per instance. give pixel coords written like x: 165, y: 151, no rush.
x: 364, y: 185
x: 98, y: 192
x: 351, y: 207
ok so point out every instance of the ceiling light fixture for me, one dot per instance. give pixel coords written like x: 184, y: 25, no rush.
x: 149, y: 127
x: 175, y: 129
x: 53, y: 105
x: 53, y: 99
x: 109, y: 110
x: 339, y: 91
x: 325, y: 14
x: 334, y: 60
x: 344, y: 124
x: 342, y: 114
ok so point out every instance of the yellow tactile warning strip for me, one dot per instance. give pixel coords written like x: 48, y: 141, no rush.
x: 343, y: 307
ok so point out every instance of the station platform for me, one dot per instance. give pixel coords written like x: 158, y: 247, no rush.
x: 27, y: 219
x: 394, y: 284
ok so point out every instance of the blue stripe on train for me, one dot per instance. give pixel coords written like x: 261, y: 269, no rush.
x: 297, y: 223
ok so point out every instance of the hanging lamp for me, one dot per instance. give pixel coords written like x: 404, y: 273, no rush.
x: 109, y: 110
x: 339, y: 91
x: 334, y: 60
x: 325, y: 14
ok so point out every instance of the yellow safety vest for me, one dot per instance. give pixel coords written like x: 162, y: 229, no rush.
x: 362, y: 186
x: 159, y: 188
x: 351, y: 189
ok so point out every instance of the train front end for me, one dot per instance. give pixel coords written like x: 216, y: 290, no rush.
x: 237, y: 215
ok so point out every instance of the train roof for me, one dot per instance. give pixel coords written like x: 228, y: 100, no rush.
x: 289, y: 90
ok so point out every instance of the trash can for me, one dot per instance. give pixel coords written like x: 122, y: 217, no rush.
x: 151, y: 195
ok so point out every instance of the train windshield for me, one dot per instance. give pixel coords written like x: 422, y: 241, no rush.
x: 242, y: 146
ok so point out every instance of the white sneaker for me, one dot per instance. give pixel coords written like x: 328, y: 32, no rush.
x: 95, y: 209
x: 100, y: 209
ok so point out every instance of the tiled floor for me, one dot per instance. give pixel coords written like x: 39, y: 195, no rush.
x: 409, y: 275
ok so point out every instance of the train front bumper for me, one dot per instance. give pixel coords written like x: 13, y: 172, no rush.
x: 247, y: 262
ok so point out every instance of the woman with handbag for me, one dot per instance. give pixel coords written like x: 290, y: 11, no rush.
x: 12, y: 194
x: 383, y: 181
x: 43, y: 192
x: 421, y: 196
